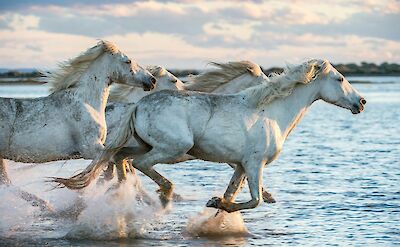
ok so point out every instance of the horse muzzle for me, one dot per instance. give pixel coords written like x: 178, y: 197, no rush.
x: 150, y: 85
x: 358, y: 108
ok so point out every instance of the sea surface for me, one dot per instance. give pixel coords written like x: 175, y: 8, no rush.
x: 336, y: 183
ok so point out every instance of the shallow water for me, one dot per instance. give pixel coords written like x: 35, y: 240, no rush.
x: 336, y: 182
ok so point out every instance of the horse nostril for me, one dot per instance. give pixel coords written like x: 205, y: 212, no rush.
x: 363, y: 101
x: 153, y: 80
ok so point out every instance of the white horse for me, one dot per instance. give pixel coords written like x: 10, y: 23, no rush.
x: 231, y: 77
x: 247, y: 128
x: 228, y: 77
x: 69, y: 123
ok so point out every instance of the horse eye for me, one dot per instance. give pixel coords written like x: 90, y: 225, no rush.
x: 340, y: 79
x: 129, y: 61
x: 174, y: 80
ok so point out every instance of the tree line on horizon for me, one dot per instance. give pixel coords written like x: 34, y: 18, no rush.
x: 364, y: 68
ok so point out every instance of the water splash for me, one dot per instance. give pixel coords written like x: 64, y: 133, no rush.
x: 209, y: 223
x: 16, y: 213
x: 115, y: 214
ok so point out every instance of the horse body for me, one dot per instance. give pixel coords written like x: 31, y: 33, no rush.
x: 198, y: 117
x: 248, y: 128
x: 69, y: 123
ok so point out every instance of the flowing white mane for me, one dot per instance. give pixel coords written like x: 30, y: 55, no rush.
x: 119, y: 92
x: 282, y: 85
x: 223, y: 73
x: 69, y: 72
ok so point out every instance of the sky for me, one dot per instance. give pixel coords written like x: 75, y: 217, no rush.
x: 189, y: 34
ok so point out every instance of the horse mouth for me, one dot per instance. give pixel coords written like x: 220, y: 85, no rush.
x: 357, y: 109
x: 148, y: 87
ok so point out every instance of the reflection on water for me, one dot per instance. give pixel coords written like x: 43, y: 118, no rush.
x: 24, y: 91
x: 336, y: 182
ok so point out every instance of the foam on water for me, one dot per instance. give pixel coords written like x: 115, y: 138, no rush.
x: 210, y: 223
x: 16, y: 213
x: 114, y: 214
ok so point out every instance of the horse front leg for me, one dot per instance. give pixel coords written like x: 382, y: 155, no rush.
x: 254, y: 178
x: 267, y: 196
x: 4, y: 179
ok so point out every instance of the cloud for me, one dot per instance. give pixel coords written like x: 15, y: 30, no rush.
x: 190, y: 33
x: 19, y: 22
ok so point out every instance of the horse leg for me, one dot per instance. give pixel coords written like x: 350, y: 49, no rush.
x: 108, y: 174
x: 267, y: 197
x: 130, y: 169
x: 254, y: 178
x: 4, y: 179
x: 145, y: 164
x: 142, y: 195
x: 121, y: 170
x: 235, y: 185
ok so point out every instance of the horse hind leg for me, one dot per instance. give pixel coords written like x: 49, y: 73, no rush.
x: 145, y: 164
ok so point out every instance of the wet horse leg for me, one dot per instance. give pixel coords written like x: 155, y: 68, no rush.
x: 145, y: 163
x: 254, y: 178
x: 267, y: 197
x: 4, y: 179
x: 235, y: 185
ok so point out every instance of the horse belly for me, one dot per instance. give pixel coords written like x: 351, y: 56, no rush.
x: 219, y: 147
x: 43, y: 144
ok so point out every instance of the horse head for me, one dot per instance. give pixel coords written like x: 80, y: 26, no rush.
x: 334, y: 88
x: 165, y: 80
x: 130, y: 73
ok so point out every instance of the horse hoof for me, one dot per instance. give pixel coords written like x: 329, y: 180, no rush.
x: 214, y: 202
x: 267, y: 197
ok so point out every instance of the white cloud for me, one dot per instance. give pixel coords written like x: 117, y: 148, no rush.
x: 35, y: 48
x: 230, y: 31
x: 188, y: 34
x: 20, y: 22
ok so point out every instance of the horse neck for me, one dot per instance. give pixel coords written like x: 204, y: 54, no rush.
x: 239, y: 84
x: 94, y: 85
x: 136, y: 93
x: 288, y: 111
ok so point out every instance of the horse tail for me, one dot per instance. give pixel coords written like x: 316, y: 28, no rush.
x: 84, y: 178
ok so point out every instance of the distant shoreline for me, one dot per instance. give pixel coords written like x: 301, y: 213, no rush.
x: 31, y: 76
x: 31, y: 81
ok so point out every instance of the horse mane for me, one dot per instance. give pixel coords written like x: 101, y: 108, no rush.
x: 68, y: 73
x: 119, y: 92
x: 283, y: 84
x: 221, y: 74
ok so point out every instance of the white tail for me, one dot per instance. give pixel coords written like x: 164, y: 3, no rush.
x: 84, y: 178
